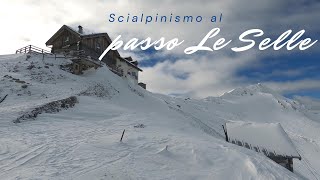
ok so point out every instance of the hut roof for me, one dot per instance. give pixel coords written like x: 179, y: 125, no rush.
x: 87, y: 34
x: 269, y: 139
x: 84, y: 34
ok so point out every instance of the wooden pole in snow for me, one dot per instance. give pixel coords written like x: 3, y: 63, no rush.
x: 225, y: 132
x: 1, y: 100
x: 122, y: 135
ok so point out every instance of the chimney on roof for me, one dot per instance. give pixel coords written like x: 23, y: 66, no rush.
x: 80, y: 29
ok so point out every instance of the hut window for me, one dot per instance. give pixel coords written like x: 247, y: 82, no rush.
x: 98, y: 46
x: 65, y: 41
x: 134, y: 74
x: 77, y: 67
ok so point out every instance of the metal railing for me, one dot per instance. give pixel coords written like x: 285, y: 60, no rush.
x: 117, y: 71
x: 32, y: 49
x: 71, y: 54
x: 81, y: 54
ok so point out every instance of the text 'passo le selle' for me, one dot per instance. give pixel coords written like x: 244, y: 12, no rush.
x: 247, y: 38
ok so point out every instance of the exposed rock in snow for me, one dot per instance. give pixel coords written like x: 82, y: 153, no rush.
x: 52, y: 107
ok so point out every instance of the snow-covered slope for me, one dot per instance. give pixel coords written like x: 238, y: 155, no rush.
x: 309, y: 106
x: 165, y: 137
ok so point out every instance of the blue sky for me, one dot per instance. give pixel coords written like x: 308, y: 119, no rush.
x: 286, y: 68
x: 173, y: 72
x: 295, y: 66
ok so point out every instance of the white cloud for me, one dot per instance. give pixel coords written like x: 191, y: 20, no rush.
x: 204, y: 76
x: 295, y: 86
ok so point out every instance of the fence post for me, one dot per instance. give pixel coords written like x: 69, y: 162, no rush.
x: 29, y: 48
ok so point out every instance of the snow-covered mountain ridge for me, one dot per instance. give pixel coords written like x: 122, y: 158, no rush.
x: 165, y: 138
x: 250, y: 90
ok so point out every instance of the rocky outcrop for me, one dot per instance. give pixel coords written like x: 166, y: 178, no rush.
x: 52, y: 107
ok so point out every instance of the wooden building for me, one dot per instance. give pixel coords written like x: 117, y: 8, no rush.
x: 86, y: 48
x: 268, y: 139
